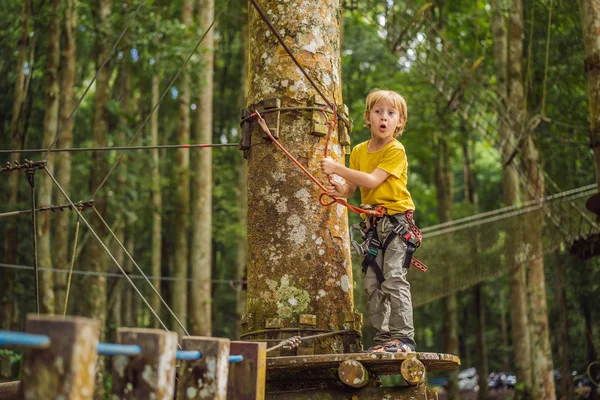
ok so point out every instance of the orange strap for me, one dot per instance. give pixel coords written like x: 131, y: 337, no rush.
x: 379, y: 211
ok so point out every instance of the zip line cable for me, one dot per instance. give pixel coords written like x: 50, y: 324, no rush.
x: 61, y: 129
x: 112, y: 257
x: 141, y: 272
x: 120, y: 276
x: 109, y: 148
x: 185, y: 63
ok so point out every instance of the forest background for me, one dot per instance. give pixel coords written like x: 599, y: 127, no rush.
x: 157, y: 202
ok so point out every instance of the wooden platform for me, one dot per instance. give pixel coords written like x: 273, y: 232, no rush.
x: 378, y: 363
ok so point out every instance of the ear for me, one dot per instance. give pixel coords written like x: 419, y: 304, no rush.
x: 367, y: 118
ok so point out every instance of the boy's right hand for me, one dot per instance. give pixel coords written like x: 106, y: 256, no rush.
x: 335, y: 189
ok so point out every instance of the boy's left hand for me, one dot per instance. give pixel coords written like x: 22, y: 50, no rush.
x: 328, y: 166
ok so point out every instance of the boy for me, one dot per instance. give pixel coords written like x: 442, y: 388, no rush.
x: 379, y: 167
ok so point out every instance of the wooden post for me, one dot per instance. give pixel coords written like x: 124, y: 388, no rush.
x: 205, y: 378
x: 150, y: 375
x: 413, y: 371
x: 64, y: 370
x: 247, y: 378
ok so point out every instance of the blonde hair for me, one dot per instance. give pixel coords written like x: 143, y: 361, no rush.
x: 395, y: 99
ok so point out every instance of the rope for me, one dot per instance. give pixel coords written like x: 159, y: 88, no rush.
x: 142, y: 272
x: 171, y: 82
x: 60, y: 207
x: 112, y: 257
x: 379, y: 212
x: 109, y: 148
x: 295, y: 341
x: 60, y: 131
x: 72, y: 265
x: 115, y: 275
x: 589, y: 372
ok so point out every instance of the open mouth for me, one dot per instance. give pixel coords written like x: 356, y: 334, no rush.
x: 383, y: 127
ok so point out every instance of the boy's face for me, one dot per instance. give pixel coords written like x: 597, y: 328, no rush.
x: 383, y: 119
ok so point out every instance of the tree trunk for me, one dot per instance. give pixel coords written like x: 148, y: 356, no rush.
x: 299, y: 266
x: 44, y: 183
x: 92, y: 299
x: 183, y: 193
x: 200, y: 304
x: 7, y: 300
x: 63, y: 161
x: 541, y: 367
x: 563, y: 341
x: 590, y: 22
x: 504, y: 332
x: 156, y: 195
x: 242, y: 183
x: 518, y: 302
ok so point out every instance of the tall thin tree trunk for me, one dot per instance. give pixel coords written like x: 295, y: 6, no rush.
x: 590, y: 22
x: 92, y: 299
x: 44, y: 184
x: 504, y: 331
x: 563, y: 341
x: 200, y: 297
x: 63, y: 161
x: 155, y: 193
x: 443, y: 183
x: 124, y: 97
x: 541, y: 366
x: 7, y: 300
x: 242, y: 182
x: 183, y: 193
x: 518, y: 302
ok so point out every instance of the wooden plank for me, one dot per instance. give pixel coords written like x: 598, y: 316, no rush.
x: 205, y: 378
x: 371, y: 393
x: 64, y: 370
x: 247, y: 378
x: 11, y: 390
x: 150, y: 375
x: 379, y: 363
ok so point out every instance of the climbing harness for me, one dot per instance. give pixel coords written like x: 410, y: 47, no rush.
x: 371, y: 245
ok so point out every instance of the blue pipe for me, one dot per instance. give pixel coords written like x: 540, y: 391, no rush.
x: 22, y: 339
x: 188, y: 355
x: 111, y: 349
x: 236, y: 359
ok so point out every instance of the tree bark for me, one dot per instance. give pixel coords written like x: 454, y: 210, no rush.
x: 200, y: 304
x: 563, y: 340
x: 518, y: 302
x: 182, y: 217
x: 156, y: 195
x: 7, y: 300
x: 299, y: 262
x: 242, y: 183
x: 541, y: 367
x: 92, y: 298
x: 63, y: 160
x: 44, y: 183
x: 590, y: 22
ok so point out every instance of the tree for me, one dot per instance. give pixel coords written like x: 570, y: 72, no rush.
x: 590, y: 21
x: 183, y: 191
x: 63, y: 160
x: 299, y: 267
x: 51, y: 118
x: 510, y: 179
x: 541, y: 362
x: 7, y: 303
x: 201, y: 263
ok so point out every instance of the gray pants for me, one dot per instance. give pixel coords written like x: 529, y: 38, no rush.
x: 390, y: 303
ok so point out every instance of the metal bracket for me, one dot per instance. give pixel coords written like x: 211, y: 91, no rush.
x: 318, y: 119
x: 344, y: 129
x: 246, y: 138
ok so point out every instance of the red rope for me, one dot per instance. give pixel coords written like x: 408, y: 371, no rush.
x: 379, y: 211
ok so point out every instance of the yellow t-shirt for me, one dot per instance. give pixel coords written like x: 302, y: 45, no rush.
x: 392, y: 193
